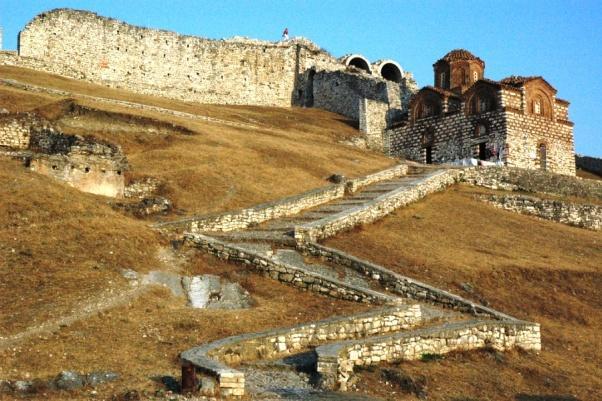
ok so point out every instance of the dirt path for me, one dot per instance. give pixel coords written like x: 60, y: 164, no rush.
x: 98, y: 304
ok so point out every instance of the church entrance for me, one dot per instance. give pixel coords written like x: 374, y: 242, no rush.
x: 428, y: 155
x: 483, y: 151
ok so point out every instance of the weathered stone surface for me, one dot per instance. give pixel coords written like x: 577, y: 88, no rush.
x: 95, y: 379
x: 68, y: 380
x: 578, y: 215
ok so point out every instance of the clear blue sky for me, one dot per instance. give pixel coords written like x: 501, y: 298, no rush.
x: 560, y: 40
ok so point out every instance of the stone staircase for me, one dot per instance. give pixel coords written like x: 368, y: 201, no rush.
x: 281, y: 230
x: 426, y: 319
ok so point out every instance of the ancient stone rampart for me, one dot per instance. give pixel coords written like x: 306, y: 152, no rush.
x: 578, y: 215
x: 84, y: 45
x: 212, y: 358
x: 84, y: 163
x: 337, y: 361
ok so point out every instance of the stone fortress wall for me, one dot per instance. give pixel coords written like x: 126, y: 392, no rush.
x: 81, y: 44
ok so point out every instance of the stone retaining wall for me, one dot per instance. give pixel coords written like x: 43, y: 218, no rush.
x: 399, y: 284
x: 518, y: 179
x: 212, y: 358
x: 376, y: 209
x: 578, y: 215
x: 383, y: 175
x: 287, y: 273
x: 337, y: 361
x: 289, y: 206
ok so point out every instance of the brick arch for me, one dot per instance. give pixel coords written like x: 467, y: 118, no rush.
x: 543, y: 98
x: 426, y: 105
x: 358, y: 61
x: 482, y: 100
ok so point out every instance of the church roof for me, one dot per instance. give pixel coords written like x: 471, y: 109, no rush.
x: 517, y: 80
x: 459, y: 55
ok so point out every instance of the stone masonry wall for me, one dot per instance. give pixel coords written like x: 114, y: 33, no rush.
x: 373, y: 121
x: 159, y: 62
x: 287, y: 274
x: 243, y: 218
x: 453, y: 137
x: 398, y: 284
x: 525, y: 133
x: 337, y: 361
x: 374, y: 210
x: 211, y: 358
x: 518, y: 179
x: 14, y: 130
x: 578, y: 215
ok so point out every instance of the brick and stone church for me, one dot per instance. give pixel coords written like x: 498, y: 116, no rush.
x: 517, y: 121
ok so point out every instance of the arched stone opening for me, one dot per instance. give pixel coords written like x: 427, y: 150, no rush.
x: 391, y: 72
x: 359, y: 62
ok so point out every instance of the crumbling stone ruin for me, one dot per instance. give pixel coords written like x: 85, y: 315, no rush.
x: 517, y: 121
x: 87, y: 164
x: 294, y: 72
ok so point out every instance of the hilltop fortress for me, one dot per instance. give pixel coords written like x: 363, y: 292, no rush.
x: 517, y: 121
x: 239, y: 71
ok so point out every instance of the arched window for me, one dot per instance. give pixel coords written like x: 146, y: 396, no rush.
x: 482, y: 102
x: 427, y: 107
x: 537, y: 106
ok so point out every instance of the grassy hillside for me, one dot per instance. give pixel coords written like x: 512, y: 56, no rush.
x: 219, y: 167
x: 530, y: 268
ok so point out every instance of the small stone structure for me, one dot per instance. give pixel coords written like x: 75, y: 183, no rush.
x: 84, y: 163
x: 518, y: 121
x: 578, y: 215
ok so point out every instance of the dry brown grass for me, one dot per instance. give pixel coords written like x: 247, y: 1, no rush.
x: 58, y: 246
x: 530, y: 268
x: 222, y: 167
x: 588, y: 174
x: 142, y: 340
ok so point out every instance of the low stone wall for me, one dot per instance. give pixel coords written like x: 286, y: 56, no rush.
x: 399, y: 284
x: 383, y: 175
x: 591, y: 164
x: 212, y: 358
x: 337, y: 361
x: 517, y: 179
x: 287, y: 273
x: 376, y: 209
x: 15, y: 129
x: 578, y: 215
x: 289, y: 206
x: 243, y: 218
x: 142, y: 188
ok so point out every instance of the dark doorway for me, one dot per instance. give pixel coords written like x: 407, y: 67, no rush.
x: 483, y: 151
x: 542, y: 156
x: 428, y: 155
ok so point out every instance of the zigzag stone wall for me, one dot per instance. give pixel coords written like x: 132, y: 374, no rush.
x: 212, y: 358
x: 288, y: 274
x: 374, y: 210
x: 337, y: 361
